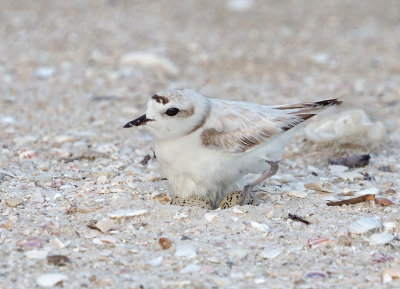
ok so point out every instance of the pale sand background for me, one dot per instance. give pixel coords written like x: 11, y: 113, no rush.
x: 68, y: 84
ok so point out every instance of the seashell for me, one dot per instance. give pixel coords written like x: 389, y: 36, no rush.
x: 104, y: 225
x: 151, y: 61
x: 369, y: 191
x: 27, y: 154
x: 342, y: 232
x: 319, y: 241
x: 383, y: 202
x: 13, y: 202
x: 390, y: 273
x: 126, y: 213
x: 237, y: 210
x: 297, y: 194
x: 323, y: 187
x: 190, y: 268
x: 36, y: 254
x: 364, y: 225
x: 156, y: 261
x: 30, y: 243
x: 352, y: 126
x: 186, y: 251
x: 51, y: 280
x: 381, y: 238
x: 272, y: 252
x: 236, y: 253
x: 389, y: 226
x: 380, y: 257
x: 210, y: 216
x: 260, y: 227
x: 338, y: 169
x: 180, y: 216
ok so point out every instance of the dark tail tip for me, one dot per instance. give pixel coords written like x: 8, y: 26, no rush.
x: 334, y: 101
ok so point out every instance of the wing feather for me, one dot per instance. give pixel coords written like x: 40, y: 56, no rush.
x: 239, y: 126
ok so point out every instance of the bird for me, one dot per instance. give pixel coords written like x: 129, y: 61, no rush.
x: 205, y: 146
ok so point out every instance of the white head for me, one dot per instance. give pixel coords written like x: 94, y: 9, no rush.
x: 173, y: 113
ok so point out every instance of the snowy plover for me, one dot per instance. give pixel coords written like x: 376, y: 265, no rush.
x: 205, y: 146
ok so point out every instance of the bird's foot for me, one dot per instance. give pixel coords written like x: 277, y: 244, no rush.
x: 246, y: 196
x: 191, y: 202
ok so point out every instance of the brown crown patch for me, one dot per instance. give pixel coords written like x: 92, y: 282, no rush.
x: 160, y: 99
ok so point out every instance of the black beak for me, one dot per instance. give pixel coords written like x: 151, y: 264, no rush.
x: 136, y: 122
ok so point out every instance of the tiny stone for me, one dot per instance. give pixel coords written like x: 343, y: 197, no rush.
x: 58, y: 260
x: 164, y: 243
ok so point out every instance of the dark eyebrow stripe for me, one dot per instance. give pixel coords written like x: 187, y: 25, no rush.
x: 160, y: 99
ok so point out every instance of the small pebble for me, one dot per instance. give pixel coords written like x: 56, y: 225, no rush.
x: 165, y: 243
x: 58, y: 260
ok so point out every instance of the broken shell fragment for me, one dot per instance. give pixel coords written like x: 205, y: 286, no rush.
x: 323, y: 187
x: 364, y: 225
x: 381, y: 238
x: 352, y: 126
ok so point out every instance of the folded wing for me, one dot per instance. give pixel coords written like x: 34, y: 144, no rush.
x: 237, y: 127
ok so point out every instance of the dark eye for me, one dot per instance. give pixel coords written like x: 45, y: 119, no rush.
x: 172, y: 111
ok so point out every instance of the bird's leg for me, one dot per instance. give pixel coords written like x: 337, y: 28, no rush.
x: 246, y: 193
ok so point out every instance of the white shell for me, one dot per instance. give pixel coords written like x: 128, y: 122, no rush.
x: 389, y: 226
x: 156, y: 261
x: 374, y: 191
x: 210, y: 216
x: 381, y: 238
x: 340, y: 127
x: 297, y: 194
x: 50, y: 280
x: 127, y: 213
x: 186, y: 251
x: 272, y: 252
x: 324, y: 187
x: 364, y: 225
x: 260, y: 227
x: 151, y: 61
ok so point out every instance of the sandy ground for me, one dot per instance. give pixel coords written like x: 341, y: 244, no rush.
x: 73, y: 72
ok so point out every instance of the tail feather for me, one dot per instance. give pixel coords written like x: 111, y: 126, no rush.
x: 303, y: 111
